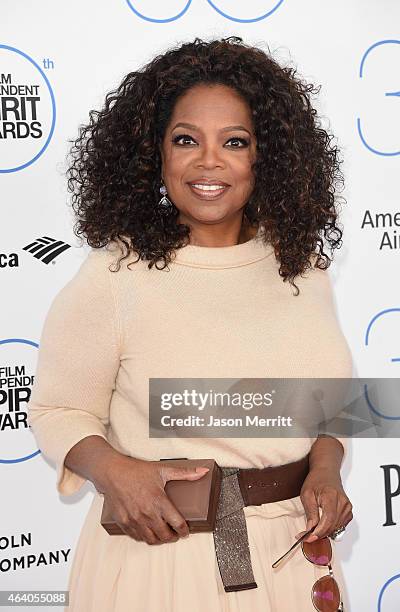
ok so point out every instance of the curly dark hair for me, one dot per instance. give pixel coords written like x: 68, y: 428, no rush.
x: 115, y: 171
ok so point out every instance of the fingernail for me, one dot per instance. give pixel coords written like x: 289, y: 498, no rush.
x: 202, y: 469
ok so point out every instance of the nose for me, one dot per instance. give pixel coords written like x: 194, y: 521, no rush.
x: 210, y: 156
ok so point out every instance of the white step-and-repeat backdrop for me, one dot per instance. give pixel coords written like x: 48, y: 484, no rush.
x: 57, y: 61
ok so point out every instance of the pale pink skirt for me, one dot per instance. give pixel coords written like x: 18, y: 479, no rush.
x: 119, y: 574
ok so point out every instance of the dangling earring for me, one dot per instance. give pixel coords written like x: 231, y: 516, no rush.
x: 164, y: 205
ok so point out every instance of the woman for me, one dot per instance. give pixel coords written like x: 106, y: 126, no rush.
x: 224, y: 276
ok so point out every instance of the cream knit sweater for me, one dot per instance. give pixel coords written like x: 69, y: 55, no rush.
x: 217, y: 312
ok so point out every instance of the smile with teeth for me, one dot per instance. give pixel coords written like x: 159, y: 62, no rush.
x: 208, y: 187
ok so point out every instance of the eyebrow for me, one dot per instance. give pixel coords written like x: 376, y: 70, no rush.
x: 229, y: 128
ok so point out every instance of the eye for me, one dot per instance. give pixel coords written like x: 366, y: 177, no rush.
x: 243, y: 141
x: 176, y: 139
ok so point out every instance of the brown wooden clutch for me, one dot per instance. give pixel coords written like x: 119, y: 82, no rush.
x: 196, y: 500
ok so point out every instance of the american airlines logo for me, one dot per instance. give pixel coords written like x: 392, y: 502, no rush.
x: 46, y: 249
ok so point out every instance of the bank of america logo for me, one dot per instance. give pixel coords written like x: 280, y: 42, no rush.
x: 46, y: 249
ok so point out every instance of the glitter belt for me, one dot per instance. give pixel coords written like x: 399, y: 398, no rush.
x: 248, y: 487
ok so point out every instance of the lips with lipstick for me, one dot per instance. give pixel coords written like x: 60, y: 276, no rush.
x: 208, y: 189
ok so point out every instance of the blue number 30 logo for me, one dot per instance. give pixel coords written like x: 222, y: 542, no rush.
x: 275, y: 5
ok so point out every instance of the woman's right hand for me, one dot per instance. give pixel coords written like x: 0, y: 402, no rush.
x: 134, y: 489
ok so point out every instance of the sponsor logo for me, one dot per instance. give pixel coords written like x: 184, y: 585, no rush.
x: 46, y: 249
x: 388, y: 237
x: 27, y: 110
x: 17, y: 367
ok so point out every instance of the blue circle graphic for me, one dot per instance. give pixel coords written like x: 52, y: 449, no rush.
x: 383, y: 589
x: 380, y: 314
x: 396, y: 93
x: 152, y: 20
x: 393, y: 359
x: 53, y: 104
x: 29, y: 343
x: 218, y: 10
x: 374, y: 410
x: 251, y: 20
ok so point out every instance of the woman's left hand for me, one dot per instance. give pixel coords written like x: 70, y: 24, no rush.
x: 323, y: 489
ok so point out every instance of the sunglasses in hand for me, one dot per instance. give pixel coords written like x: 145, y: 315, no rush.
x: 325, y: 593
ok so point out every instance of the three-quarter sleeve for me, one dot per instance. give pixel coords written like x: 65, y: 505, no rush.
x: 77, y: 365
x: 342, y: 368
